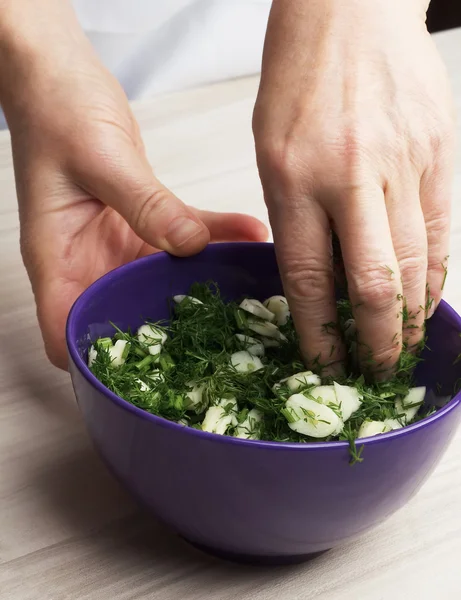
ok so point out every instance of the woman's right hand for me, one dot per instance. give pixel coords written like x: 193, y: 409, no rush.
x: 354, y: 131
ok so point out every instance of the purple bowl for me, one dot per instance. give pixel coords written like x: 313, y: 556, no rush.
x: 258, y: 501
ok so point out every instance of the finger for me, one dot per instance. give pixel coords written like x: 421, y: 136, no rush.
x: 436, y: 193
x: 232, y: 227
x: 303, y: 245
x: 225, y: 227
x: 125, y: 182
x: 373, y: 277
x: 409, y: 239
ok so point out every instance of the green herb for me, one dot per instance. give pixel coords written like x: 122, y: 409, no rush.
x: 389, y: 270
x: 201, y: 340
x: 445, y: 271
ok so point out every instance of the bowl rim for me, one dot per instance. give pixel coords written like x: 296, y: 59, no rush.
x: 85, y: 371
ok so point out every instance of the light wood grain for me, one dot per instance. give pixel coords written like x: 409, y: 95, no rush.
x: 67, y: 531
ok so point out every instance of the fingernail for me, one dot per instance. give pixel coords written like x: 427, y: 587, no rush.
x: 181, y: 230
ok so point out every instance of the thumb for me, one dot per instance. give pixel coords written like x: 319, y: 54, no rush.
x: 125, y: 182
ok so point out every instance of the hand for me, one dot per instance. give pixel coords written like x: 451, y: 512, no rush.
x: 354, y: 132
x: 88, y: 199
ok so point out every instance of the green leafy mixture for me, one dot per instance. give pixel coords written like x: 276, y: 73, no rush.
x: 216, y: 366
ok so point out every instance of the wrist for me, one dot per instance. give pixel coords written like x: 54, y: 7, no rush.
x: 38, y: 38
x: 352, y: 14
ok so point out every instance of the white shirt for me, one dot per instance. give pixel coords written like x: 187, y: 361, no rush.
x: 157, y: 46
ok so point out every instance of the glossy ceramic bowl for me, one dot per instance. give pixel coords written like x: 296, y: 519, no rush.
x: 252, y: 500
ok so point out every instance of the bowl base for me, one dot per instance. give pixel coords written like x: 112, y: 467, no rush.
x: 254, y: 559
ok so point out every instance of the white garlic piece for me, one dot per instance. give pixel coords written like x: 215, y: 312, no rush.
x: 142, y: 385
x: 270, y: 342
x: 300, y: 380
x: 248, y: 430
x: 194, y: 397
x: 372, y: 428
x: 92, y: 356
x: 279, y: 306
x: 266, y: 329
x: 117, y: 353
x: 181, y: 297
x: 256, y: 308
x: 311, y: 418
x: 244, y: 362
x: 324, y: 393
x: 251, y: 344
x: 149, y: 335
x: 348, y: 399
x: 409, y: 406
x: 219, y: 418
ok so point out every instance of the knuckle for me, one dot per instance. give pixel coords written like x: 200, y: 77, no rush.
x: 413, y: 335
x: 308, y: 280
x: 375, y: 288
x: 413, y: 269
x: 383, y: 359
x: 148, y: 204
x: 437, y: 266
x: 354, y: 147
x: 436, y: 275
x: 441, y: 135
x: 279, y: 164
x: 437, y: 224
x: 358, y: 146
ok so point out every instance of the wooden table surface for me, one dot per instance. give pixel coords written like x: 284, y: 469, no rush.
x: 67, y: 530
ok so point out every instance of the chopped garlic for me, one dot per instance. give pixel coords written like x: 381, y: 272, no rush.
x: 117, y: 353
x: 153, y: 338
x: 244, y: 362
x: 156, y: 376
x: 348, y: 399
x: 270, y: 342
x: 279, y: 306
x: 392, y: 424
x: 180, y: 297
x: 251, y: 344
x: 266, y: 329
x: 311, y: 418
x: 350, y: 328
x: 194, y: 397
x: 256, y: 308
x: 340, y: 427
x: 301, y: 380
x: 409, y: 406
x: 219, y: 418
x: 149, y: 335
x: 92, y: 356
x: 248, y: 430
x: 142, y: 385
x: 324, y: 393
x: 372, y: 428
x: 155, y: 350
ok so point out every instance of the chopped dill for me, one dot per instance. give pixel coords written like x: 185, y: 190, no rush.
x: 191, y: 372
x: 389, y: 270
x: 445, y: 271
